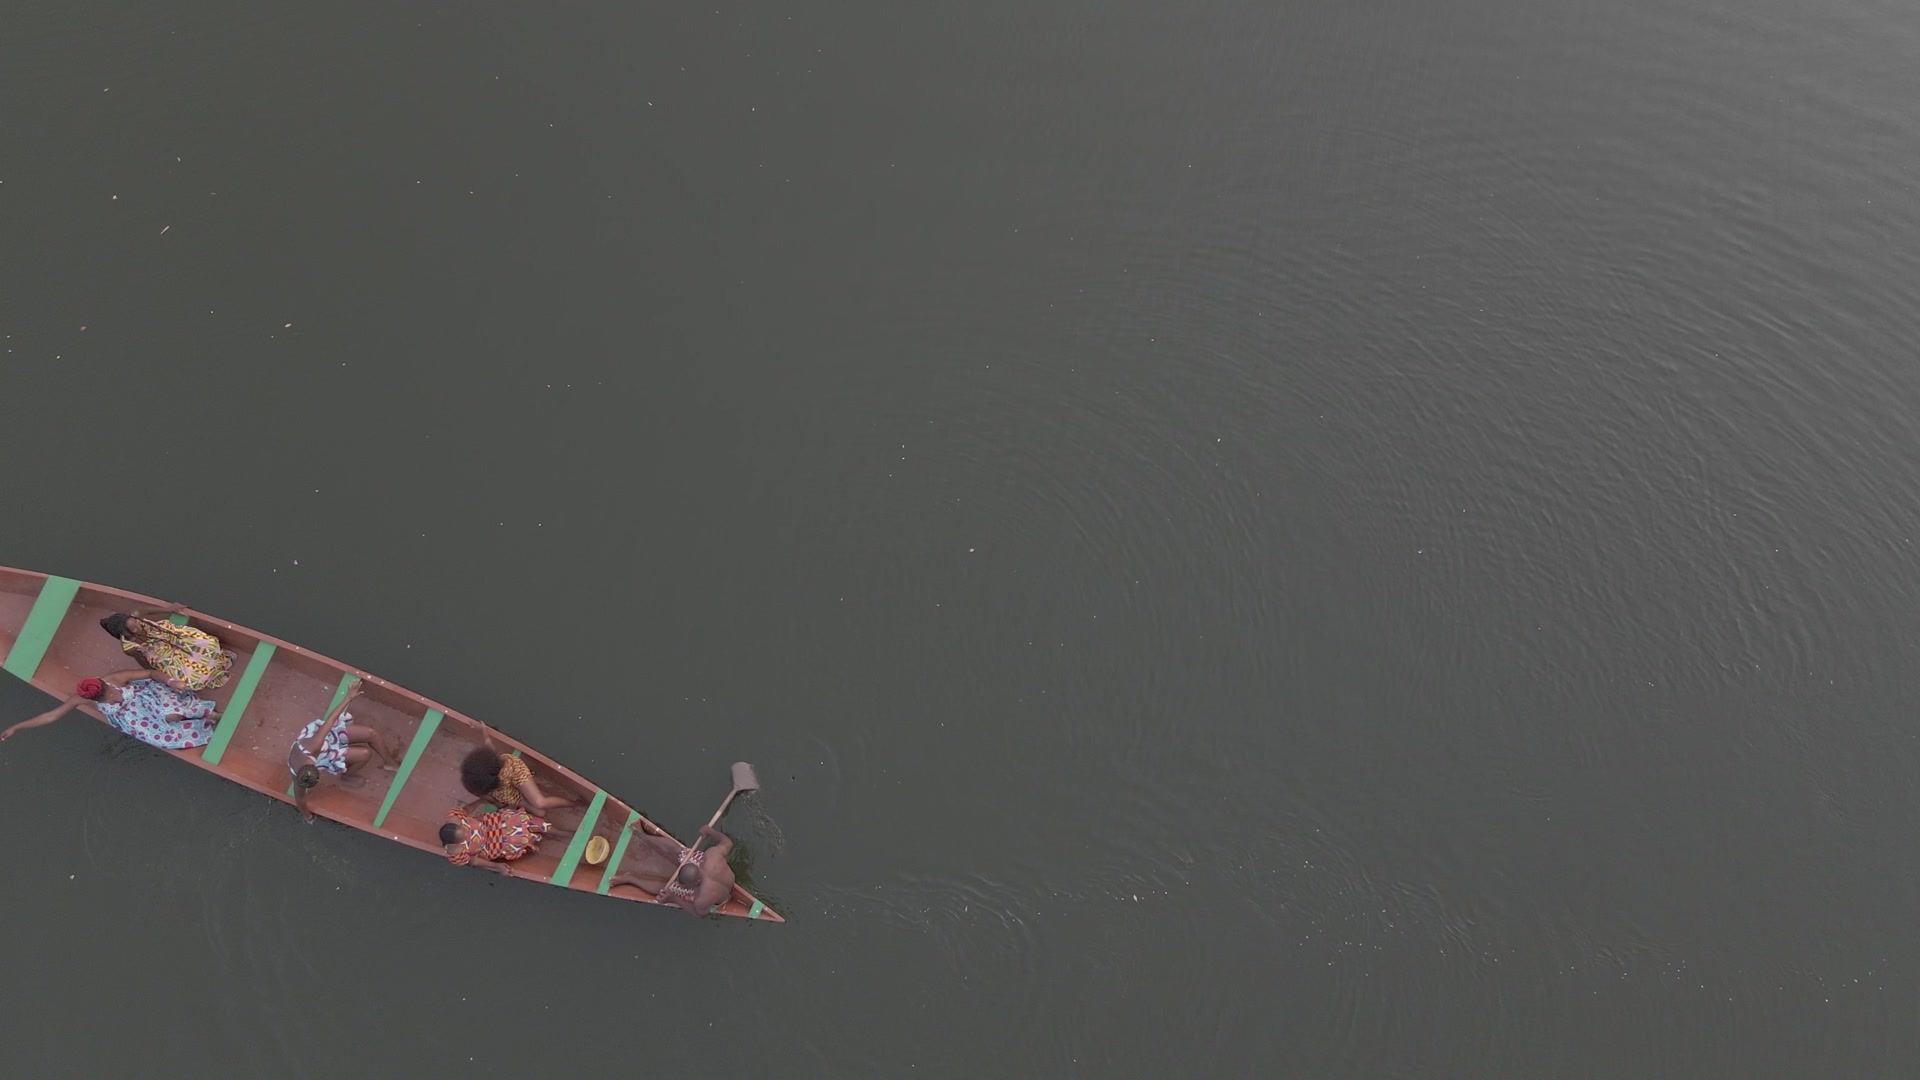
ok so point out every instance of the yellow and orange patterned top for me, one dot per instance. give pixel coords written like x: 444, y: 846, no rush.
x: 181, y: 652
x: 513, y: 773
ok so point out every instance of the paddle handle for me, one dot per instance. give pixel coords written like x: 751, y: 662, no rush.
x: 697, y: 841
x: 717, y: 815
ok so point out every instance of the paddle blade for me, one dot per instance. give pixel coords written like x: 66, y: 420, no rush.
x: 743, y: 778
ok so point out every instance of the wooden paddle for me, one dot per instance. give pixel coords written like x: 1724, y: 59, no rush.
x: 743, y: 780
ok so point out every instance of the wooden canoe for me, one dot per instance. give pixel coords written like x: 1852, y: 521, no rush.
x: 50, y: 636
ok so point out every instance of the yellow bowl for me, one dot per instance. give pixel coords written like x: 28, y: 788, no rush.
x: 597, y: 850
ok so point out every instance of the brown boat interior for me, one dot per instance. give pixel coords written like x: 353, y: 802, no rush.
x: 298, y: 686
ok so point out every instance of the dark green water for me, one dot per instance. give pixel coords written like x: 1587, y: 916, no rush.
x: 1245, y: 539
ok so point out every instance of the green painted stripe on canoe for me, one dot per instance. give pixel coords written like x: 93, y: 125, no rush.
x: 428, y: 725
x: 758, y: 907
x: 237, y: 705
x: 340, y: 692
x: 339, y: 695
x: 177, y: 620
x: 56, y: 596
x: 564, y: 872
x: 619, y: 851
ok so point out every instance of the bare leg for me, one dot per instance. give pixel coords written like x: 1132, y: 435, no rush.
x: 646, y: 867
x: 356, y: 756
x: 650, y: 884
x: 540, y: 802
x: 657, y: 846
x: 360, y: 734
x: 564, y: 817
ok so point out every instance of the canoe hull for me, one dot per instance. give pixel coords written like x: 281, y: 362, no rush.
x: 50, y: 636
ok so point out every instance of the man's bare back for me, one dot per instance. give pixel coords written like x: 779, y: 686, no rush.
x: 704, y: 883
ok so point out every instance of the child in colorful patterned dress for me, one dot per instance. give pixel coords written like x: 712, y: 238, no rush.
x: 333, y: 744
x: 490, y: 840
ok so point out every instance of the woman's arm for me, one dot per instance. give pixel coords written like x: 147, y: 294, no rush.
x: 44, y: 718
x: 722, y: 843
x: 170, y: 609
x: 354, y: 694
x: 540, y: 800
x: 153, y: 630
x: 122, y: 678
x: 312, y: 745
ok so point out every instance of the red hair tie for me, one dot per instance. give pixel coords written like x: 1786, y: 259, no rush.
x: 90, y: 688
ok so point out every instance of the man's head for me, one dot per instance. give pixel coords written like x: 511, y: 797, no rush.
x: 452, y: 833
x: 690, y: 876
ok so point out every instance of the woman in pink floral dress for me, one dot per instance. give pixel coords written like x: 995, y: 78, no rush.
x: 137, y: 703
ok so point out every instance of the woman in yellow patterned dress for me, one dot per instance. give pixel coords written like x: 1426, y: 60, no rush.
x: 190, y: 659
